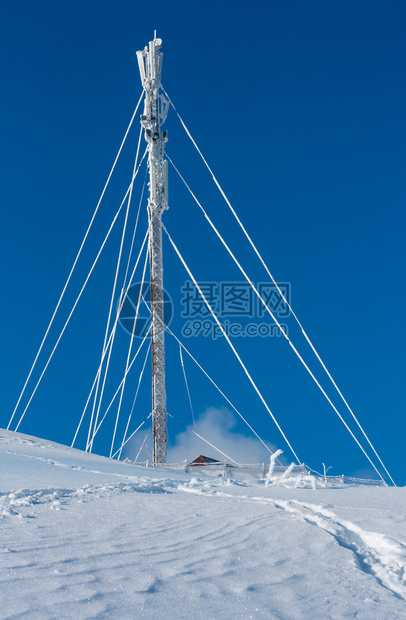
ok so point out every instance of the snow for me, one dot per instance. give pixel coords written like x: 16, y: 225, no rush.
x: 86, y: 537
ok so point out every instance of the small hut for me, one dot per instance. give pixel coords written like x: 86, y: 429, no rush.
x: 204, y: 460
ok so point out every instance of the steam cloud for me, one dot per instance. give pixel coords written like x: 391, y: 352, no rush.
x: 216, y: 426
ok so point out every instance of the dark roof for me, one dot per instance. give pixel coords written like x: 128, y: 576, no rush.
x: 203, y: 460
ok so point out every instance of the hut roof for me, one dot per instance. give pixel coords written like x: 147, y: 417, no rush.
x: 204, y: 460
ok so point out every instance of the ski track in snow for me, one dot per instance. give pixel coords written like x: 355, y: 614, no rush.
x: 14, y: 503
x: 375, y: 554
x: 379, y: 555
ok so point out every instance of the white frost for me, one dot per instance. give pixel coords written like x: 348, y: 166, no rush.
x: 86, y: 537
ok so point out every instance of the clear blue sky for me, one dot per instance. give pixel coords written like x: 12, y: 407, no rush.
x: 300, y: 109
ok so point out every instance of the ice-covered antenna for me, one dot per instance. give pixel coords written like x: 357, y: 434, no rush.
x: 155, y: 110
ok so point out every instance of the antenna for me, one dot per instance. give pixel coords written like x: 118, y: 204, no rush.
x: 155, y: 110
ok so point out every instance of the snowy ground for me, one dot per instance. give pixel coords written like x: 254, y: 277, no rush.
x: 86, y: 537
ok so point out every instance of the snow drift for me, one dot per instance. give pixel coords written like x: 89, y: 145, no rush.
x: 86, y: 537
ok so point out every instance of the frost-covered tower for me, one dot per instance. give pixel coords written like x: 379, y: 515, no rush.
x: 155, y: 110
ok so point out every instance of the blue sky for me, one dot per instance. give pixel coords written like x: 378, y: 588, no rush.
x: 299, y: 109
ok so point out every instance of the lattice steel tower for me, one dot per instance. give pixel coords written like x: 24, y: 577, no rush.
x: 155, y: 111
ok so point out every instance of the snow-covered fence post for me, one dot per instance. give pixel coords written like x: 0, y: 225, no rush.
x: 325, y: 473
x: 287, y: 471
x: 272, y: 460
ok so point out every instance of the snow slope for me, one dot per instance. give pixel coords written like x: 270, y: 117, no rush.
x: 86, y: 537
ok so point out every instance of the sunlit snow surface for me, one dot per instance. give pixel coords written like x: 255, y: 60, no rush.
x: 86, y: 537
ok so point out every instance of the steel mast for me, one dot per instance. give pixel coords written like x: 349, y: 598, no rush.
x: 155, y: 111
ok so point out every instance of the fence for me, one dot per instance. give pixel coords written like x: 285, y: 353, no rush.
x: 259, y: 471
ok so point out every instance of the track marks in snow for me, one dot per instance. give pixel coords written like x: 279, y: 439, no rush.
x: 16, y: 503
x: 377, y: 555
